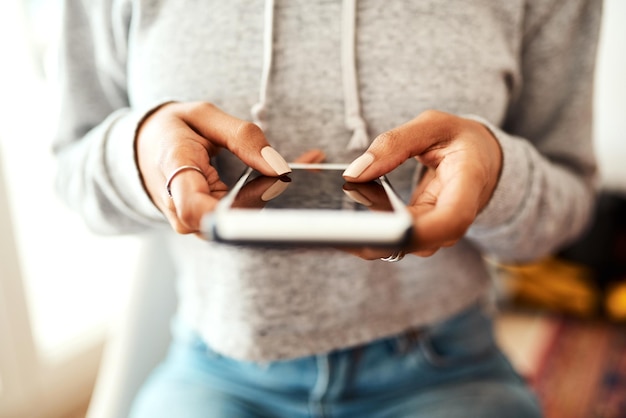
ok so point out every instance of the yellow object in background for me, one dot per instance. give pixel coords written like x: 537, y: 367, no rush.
x: 615, y: 303
x: 554, y: 284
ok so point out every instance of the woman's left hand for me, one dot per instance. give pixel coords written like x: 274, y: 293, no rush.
x: 462, y: 161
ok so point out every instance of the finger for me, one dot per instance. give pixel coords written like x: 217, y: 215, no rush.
x: 313, y: 156
x: 243, y: 138
x: 190, y: 210
x: 425, y: 253
x: 193, y: 195
x: 425, y: 180
x: 445, y: 220
x: 378, y: 254
x: 164, y: 146
x: 368, y: 253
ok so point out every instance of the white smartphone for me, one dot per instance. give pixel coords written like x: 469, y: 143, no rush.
x: 313, y: 205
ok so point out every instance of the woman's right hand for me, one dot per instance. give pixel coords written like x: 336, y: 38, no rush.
x: 189, y: 134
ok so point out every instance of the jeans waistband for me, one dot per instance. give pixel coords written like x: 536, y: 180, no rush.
x: 400, y: 343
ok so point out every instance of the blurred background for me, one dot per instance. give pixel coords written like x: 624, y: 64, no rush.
x: 57, y: 318
x: 54, y: 314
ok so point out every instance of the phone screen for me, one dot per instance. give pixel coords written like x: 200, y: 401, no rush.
x: 311, y: 189
x: 313, y: 205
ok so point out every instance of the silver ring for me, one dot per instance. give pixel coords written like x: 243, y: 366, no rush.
x: 180, y: 169
x: 395, y: 256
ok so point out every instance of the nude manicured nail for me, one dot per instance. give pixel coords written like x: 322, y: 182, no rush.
x: 359, y: 165
x: 275, y: 160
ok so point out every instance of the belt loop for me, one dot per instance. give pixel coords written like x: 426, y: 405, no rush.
x: 408, y: 340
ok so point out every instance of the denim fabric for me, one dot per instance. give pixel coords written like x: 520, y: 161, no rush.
x: 451, y: 370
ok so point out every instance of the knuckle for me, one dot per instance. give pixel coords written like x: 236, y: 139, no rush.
x: 392, y: 143
x: 204, y: 106
x: 207, y: 107
x: 432, y: 115
x: 244, y: 136
x: 247, y: 130
x: 167, y: 108
x: 395, y: 144
x: 197, y: 109
x: 389, y: 138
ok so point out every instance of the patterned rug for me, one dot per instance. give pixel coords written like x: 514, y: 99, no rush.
x: 583, y: 371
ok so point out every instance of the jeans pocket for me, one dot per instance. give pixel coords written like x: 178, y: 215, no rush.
x: 465, y: 340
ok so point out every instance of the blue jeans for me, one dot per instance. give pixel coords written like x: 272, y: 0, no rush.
x: 451, y: 370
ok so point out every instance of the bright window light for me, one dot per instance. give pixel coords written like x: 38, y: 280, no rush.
x: 74, y: 281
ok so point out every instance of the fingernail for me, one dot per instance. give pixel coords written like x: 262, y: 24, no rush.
x: 275, y: 160
x: 359, y: 165
x: 358, y: 197
x: 274, y: 190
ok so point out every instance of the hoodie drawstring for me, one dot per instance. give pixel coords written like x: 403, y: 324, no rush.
x: 353, y: 117
x: 259, y: 109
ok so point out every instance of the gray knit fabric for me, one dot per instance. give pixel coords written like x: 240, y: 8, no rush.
x: 524, y: 68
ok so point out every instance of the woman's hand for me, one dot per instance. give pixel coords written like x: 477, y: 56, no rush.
x: 189, y: 134
x: 462, y: 162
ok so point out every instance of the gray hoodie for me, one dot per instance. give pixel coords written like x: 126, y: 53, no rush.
x: 331, y: 75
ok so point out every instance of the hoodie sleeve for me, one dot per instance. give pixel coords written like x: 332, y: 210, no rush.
x: 545, y: 193
x: 97, y: 174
